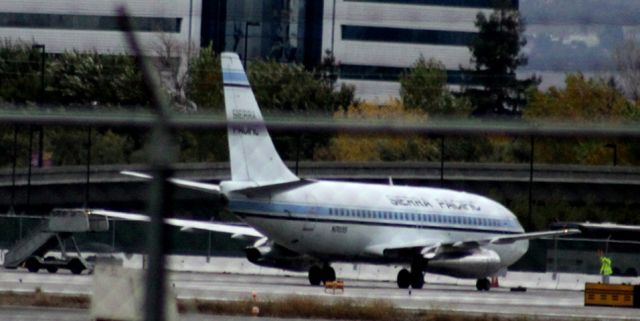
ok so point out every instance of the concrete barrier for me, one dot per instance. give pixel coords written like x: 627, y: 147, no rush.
x: 349, y: 271
x: 366, y: 272
x: 118, y: 294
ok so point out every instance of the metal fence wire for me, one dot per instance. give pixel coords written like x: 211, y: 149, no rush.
x: 162, y: 152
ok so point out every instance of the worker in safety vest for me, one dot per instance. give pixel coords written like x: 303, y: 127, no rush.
x: 605, y: 267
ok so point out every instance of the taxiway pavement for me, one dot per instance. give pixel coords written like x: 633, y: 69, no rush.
x: 540, y: 303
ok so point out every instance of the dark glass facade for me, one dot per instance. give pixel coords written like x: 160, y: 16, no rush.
x: 86, y: 22
x: 214, y: 16
x: 283, y: 30
x: 364, y: 72
x: 402, y: 35
x: 485, y: 4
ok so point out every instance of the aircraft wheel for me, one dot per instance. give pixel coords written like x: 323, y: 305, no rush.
x: 315, y: 275
x: 417, y: 280
x: 404, y: 279
x: 483, y: 284
x: 328, y: 273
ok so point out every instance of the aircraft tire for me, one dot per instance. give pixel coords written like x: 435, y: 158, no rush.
x: 328, y: 274
x: 315, y: 275
x: 483, y: 284
x: 404, y: 279
x: 417, y: 280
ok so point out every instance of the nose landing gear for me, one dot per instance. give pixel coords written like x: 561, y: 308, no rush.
x: 483, y: 284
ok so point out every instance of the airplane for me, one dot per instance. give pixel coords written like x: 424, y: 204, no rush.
x: 305, y: 225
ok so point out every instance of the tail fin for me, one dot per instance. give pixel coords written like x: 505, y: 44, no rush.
x: 251, y: 152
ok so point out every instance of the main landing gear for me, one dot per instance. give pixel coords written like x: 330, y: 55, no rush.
x: 483, y: 284
x: 322, y: 274
x: 415, y: 278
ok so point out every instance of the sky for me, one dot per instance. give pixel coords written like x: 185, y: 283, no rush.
x: 576, y: 35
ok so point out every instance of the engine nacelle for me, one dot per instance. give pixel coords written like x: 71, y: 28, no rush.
x: 478, y: 263
x: 276, y: 256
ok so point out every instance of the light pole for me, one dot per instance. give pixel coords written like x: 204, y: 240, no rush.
x: 614, y: 148
x: 246, y: 38
x: 13, y: 169
x: 531, y: 157
x: 442, y: 161
x: 40, y: 47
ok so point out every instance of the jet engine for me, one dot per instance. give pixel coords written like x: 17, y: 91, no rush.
x: 272, y: 255
x: 476, y: 263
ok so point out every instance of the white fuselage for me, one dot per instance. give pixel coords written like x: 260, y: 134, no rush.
x: 339, y: 221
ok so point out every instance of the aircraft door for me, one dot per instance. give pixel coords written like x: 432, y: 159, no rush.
x: 311, y: 214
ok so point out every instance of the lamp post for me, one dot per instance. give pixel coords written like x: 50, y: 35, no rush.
x: 442, y: 161
x: 614, y: 148
x: 40, y: 47
x: 246, y: 38
x: 531, y: 158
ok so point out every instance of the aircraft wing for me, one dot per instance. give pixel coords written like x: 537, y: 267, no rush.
x: 235, y: 230
x: 205, y: 187
x: 430, y: 249
x: 533, y: 235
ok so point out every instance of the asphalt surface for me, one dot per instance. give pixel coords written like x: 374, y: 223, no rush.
x: 542, y: 304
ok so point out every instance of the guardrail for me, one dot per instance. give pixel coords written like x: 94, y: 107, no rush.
x: 622, y: 175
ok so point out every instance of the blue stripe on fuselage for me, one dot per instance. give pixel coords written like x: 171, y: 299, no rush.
x: 368, y: 217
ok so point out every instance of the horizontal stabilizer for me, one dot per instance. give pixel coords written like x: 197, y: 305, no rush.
x: 205, y: 187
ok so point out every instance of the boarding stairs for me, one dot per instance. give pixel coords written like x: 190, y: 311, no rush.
x: 52, y: 232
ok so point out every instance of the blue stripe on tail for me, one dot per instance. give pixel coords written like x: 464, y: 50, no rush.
x: 234, y: 77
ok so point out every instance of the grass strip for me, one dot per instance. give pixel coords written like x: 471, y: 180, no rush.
x: 41, y: 299
x: 286, y: 307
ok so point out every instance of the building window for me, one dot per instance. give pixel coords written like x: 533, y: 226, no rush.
x: 488, y: 4
x: 364, y: 72
x: 402, y: 35
x: 86, y: 22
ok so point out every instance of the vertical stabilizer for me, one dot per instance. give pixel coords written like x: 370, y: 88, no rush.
x: 251, y: 152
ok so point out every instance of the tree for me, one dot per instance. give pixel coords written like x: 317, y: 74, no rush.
x: 496, y: 54
x: 424, y: 87
x: 69, y: 146
x: 627, y: 59
x: 290, y: 89
x: 584, y: 100
x: 379, y: 147
x: 19, y: 72
x: 204, y: 81
x: 91, y: 78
